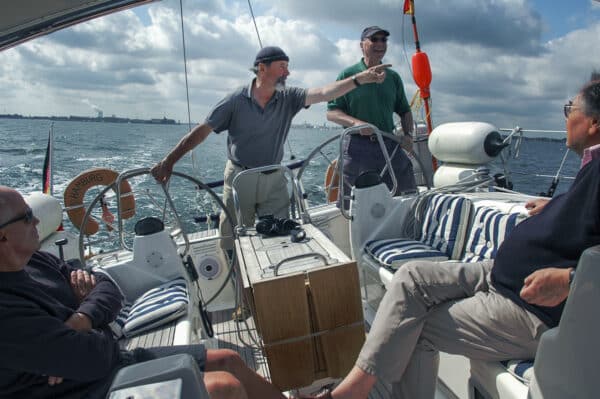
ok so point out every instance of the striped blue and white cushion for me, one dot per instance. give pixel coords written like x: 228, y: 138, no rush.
x: 156, y: 307
x: 520, y: 369
x: 392, y: 253
x: 445, y: 223
x: 117, y: 325
x: 489, y: 229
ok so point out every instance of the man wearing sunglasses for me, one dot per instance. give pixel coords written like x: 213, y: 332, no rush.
x: 374, y: 104
x: 492, y: 310
x: 55, y: 340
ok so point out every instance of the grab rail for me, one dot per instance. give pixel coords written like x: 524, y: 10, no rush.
x: 241, y: 228
x: 292, y: 258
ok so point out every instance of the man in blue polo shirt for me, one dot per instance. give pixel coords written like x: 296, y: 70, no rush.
x: 258, y: 118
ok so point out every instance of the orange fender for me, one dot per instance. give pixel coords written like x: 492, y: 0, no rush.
x: 75, y: 192
x: 332, y: 182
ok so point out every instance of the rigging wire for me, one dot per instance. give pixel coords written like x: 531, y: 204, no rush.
x: 556, y: 178
x: 187, y: 87
x: 255, y: 26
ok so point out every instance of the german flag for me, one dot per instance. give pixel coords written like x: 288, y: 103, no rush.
x: 47, y: 177
x: 47, y: 171
x: 408, y: 7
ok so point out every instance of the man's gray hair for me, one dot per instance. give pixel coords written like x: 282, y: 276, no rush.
x: 590, y: 94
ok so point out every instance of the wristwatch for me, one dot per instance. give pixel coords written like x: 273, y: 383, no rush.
x: 355, y: 80
x: 571, y: 276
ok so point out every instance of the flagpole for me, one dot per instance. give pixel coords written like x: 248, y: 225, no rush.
x: 421, y: 71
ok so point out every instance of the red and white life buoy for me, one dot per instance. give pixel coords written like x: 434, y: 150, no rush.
x: 75, y: 192
x: 332, y: 182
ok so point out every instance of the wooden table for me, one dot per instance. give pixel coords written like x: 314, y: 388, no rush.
x: 305, y: 298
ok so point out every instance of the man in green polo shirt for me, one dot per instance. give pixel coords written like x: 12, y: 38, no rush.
x: 374, y: 104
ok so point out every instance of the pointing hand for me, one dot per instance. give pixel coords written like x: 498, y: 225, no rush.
x: 374, y: 74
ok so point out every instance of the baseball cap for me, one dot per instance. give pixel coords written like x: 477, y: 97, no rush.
x: 371, y: 30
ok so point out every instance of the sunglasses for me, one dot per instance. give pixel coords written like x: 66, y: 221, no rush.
x: 568, y: 108
x: 378, y: 39
x: 27, y: 218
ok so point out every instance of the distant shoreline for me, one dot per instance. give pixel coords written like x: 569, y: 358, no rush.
x: 165, y: 121
x: 116, y: 119
x: 101, y: 119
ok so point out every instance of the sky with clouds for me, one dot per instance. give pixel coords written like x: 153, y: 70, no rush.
x: 507, y: 62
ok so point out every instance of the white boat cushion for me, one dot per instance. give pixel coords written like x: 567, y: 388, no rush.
x: 520, y: 369
x: 445, y: 222
x: 392, y: 253
x: 156, y: 307
x: 489, y: 229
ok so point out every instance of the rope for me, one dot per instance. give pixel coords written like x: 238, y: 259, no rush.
x: 314, y: 335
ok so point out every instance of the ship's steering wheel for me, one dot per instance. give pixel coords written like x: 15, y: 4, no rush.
x: 169, y: 202
x: 205, y: 319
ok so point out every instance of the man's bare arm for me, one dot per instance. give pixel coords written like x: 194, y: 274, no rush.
x: 406, y: 121
x: 338, y: 88
x: 163, y: 169
x: 341, y: 118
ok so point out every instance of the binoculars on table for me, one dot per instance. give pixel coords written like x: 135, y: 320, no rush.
x: 271, y: 226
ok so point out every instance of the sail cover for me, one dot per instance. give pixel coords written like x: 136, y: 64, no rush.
x: 21, y: 20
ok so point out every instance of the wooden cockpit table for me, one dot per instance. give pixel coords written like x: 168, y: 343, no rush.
x: 305, y: 299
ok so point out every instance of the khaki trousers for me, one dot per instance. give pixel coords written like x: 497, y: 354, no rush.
x: 449, y: 307
x: 259, y: 194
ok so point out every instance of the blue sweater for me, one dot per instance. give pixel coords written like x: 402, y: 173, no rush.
x: 556, y: 237
x: 35, y: 342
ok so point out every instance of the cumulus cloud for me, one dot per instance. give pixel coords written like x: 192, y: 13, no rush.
x: 488, y: 57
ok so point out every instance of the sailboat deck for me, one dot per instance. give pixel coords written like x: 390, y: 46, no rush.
x: 238, y: 336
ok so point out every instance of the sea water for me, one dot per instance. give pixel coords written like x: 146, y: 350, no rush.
x: 79, y: 146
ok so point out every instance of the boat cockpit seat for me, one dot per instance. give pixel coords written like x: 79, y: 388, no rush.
x: 176, y: 376
x: 500, y: 380
x: 152, y: 319
x: 444, y: 237
x: 441, y: 235
x: 442, y: 240
x: 487, y: 231
x: 567, y: 356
